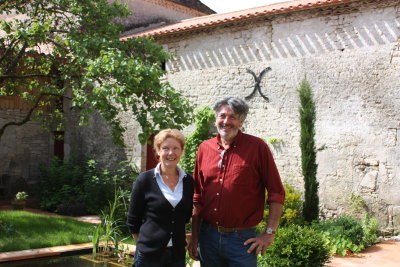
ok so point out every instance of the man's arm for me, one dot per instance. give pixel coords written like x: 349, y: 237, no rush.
x: 263, y: 241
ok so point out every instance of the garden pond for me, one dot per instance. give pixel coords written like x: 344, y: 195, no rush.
x: 68, y: 261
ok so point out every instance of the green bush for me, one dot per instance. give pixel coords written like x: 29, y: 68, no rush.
x: 73, y: 188
x: 345, y: 234
x: 60, y: 182
x: 370, y: 227
x: 296, y: 246
x: 204, y: 118
x: 292, y: 208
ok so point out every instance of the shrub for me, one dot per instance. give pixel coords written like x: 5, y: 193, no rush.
x: 21, y: 196
x: 345, y: 234
x: 73, y: 188
x: 60, y: 182
x: 296, y: 246
x: 204, y: 117
x: 370, y: 226
x: 292, y: 208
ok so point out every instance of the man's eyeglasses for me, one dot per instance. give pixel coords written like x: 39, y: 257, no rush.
x: 221, y: 154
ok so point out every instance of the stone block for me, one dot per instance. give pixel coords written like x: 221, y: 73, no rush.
x: 368, y: 182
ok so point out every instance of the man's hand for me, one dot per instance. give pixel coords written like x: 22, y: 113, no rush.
x: 260, y: 243
x: 192, y: 248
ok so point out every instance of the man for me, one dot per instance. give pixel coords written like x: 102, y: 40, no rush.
x: 231, y: 174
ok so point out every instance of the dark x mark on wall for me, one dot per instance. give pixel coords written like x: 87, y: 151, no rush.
x: 257, y: 85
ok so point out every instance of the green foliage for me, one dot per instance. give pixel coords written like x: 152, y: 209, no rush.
x: 60, y: 182
x: 20, y: 230
x: 369, y: 223
x: 109, y: 232
x: 73, y: 188
x: 308, y: 152
x: 6, y: 228
x: 292, y: 208
x: 188, y: 260
x: 274, y: 140
x: 70, y: 46
x: 370, y: 227
x: 296, y: 246
x: 204, y: 118
x: 357, y: 204
x: 345, y: 234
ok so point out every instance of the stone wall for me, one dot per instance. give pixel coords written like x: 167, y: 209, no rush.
x: 350, y: 55
x: 22, y: 150
x: 95, y: 141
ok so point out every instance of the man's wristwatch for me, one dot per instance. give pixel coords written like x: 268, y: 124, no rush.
x: 270, y: 231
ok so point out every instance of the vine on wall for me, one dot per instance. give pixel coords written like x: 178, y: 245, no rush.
x: 204, y: 119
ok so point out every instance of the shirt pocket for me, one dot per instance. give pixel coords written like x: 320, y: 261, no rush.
x: 241, y: 174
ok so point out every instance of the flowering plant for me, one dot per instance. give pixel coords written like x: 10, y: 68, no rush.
x: 21, y: 196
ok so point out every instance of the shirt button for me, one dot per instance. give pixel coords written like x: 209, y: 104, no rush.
x: 215, y: 209
x: 217, y: 223
x: 171, y: 233
x: 173, y: 221
x: 220, y: 180
x: 217, y: 194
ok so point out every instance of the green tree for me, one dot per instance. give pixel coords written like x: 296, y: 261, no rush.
x: 59, y: 49
x: 308, y: 152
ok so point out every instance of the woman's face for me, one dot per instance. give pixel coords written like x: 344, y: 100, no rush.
x: 170, y: 152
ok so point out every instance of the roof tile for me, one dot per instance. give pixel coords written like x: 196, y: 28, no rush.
x: 218, y: 19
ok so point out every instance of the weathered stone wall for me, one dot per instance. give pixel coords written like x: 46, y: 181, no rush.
x: 95, y: 141
x: 22, y: 150
x: 350, y: 55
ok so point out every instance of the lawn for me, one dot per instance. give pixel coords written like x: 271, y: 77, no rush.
x: 21, y: 230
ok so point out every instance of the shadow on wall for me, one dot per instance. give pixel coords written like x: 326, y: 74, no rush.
x: 339, y: 37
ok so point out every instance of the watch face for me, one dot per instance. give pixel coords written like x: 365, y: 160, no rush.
x: 270, y: 231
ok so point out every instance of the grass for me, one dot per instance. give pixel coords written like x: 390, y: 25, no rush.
x: 21, y: 230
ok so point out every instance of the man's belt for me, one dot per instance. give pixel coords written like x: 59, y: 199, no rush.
x: 223, y: 229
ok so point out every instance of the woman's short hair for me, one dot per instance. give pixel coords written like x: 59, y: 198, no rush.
x: 166, y: 133
x: 237, y: 105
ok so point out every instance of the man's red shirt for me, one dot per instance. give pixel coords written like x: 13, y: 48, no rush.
x: 230, y: 190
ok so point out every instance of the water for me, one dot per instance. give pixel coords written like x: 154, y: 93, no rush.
x: 67, y: 261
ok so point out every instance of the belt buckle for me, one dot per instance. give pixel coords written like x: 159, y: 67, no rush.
x: 220, y: 227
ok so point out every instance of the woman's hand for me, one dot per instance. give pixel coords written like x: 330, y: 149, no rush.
x: 192, y: 249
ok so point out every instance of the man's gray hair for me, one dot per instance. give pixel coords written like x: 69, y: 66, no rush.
x: 238, y: 106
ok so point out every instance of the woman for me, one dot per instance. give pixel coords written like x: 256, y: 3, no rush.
x: 161, y: 205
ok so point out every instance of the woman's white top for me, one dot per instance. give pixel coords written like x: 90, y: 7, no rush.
x: 174, y: 196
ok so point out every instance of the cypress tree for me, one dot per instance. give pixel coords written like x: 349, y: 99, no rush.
x: 308, y: 152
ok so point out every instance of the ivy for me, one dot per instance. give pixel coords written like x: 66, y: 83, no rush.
x: 204, y: 118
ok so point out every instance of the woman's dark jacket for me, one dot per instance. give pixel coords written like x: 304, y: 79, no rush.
x: 153, y: 217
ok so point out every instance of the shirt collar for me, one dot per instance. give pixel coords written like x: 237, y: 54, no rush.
x: 235, y: 141
x: 157, y: 172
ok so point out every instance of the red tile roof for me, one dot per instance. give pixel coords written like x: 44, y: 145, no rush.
x: 225, y: 18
